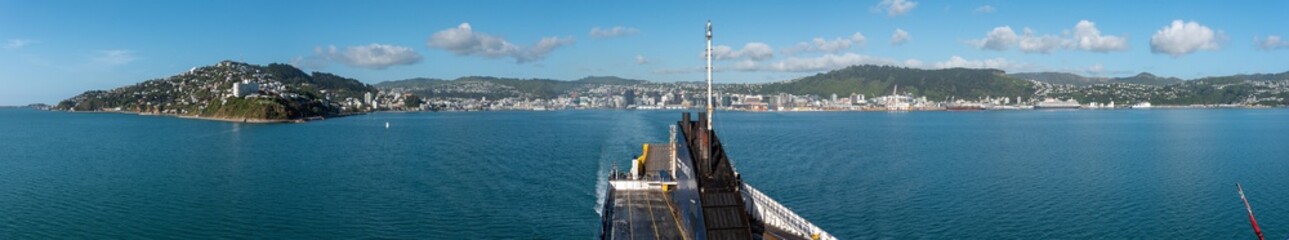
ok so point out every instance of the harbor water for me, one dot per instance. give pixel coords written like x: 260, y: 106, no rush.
x: 1065, y: 174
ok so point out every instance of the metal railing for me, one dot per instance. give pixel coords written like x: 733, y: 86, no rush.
x: 772, y: 213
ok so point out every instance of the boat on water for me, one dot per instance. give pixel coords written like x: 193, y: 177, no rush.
x: 1052, y: 103
x: 688, y: 189
x: 964, y: 106
x: 1142, y: 105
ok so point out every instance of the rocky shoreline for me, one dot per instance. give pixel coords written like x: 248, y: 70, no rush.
x: 220, y: 119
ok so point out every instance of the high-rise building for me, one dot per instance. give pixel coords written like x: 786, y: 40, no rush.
x: 629, y: 97
x: 245, y: 88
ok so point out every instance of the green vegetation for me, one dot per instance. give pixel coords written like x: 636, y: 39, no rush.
x: 1081, y: 81
x: 1252, y: 89
x: 610, y: 80
x: 1148, y: 79
x: 285, y: 92
x: 881, y: 80
x: 265, y: 108
x: 412, y: 101
x: 1060, y: 78
x: 412, y: 83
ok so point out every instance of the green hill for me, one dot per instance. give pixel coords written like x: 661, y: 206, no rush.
x: 1081, y: 81
x: 609, y: 80
x: 1242, y: 89
x: 1148, y: 79
x: 880, y: 80
x: 1060, y: 78
x: 285, y: 93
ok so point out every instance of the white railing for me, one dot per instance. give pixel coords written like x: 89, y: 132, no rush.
x: 772, y: 213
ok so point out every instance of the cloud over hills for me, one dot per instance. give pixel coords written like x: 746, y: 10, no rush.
x: 464, y: 41
x: 616, y: 31
x: 1181, y: 38
x: 900, y: 37
x: 1272, y: 42
x: 372, y: 56
x: 1085, y: 37
x: 755, y: 51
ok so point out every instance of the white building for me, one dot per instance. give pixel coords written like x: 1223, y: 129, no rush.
x: 244, y: 88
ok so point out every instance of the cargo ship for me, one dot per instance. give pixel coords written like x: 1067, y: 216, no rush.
x: 688, y: 188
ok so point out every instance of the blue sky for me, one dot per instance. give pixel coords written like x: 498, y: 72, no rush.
x: 51, y: 50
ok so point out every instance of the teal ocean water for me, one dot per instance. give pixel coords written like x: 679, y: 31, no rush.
x: 1124, y: 174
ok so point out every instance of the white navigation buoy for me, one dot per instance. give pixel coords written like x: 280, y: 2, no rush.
x: 386, y: 125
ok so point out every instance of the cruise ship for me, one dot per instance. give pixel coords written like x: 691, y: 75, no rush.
x: 688, y: 188
x: 1052, y: 103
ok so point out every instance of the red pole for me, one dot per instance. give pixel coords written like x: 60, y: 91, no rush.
x: 1252, y: 220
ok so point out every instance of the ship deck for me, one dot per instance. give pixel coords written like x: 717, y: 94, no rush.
x: 669, y: 194
x: 645, y: 214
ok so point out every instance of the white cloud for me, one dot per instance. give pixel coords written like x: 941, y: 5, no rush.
x: 1088, y: 37
x: 754, y: 50
x: 859, y: 39
x: 1096, y: 69
x: 309, y: 62
x: 745, y: 65
x: 112, y: 58
x: 959, y: 62
x: 822, y: 45
x: 543, y: 47
x: 895, y: 7
x: 1029, y: 43
x: 17, y: 43
x: 616, y: 31
x: 681, y: 70
x: 799, y: 48
x: 986, y: 9
x: 374, y: 56
x: 1085, y: 37
x: 1181, y: 38
x: 830, y: 61
x: 900, y: 37
x: 827, y: 62
x: 831, y: 46
x: 464, y: 41
x: 641, y: 60
x: 1272, y: 42
x: 999, y: 39
x: 794, y: 64
x: 913, y: 63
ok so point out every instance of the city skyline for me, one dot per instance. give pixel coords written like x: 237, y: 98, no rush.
x: 52, y: 51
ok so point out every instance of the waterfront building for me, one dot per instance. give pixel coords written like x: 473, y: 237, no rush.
x: 244, y: 88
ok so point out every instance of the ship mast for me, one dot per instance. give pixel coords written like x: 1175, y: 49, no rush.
x: 1252, y: 221
x: 709, y: 75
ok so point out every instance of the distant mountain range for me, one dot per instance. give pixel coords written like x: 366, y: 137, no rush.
x: 937, y: 84
x: 288, y: 93
x: 869, y: 80
x: 1077, y: 80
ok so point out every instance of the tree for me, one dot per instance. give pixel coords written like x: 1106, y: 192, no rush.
x: 412, y: 101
